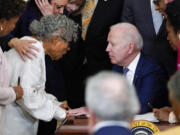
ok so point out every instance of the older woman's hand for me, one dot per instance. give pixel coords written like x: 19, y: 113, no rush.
x: 19, y: 92
x: 24, y: 47
x: 78, y: 111
x: 45, y: 7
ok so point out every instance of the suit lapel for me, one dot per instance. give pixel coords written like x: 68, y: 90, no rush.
x: 148, y: 4
x: 139, y: 69
x: 163, y: 25
x: 149, y: 13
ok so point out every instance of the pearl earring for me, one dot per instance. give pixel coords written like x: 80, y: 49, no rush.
x: 1, y: 28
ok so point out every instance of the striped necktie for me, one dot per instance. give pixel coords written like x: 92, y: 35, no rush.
x: 87, y: 14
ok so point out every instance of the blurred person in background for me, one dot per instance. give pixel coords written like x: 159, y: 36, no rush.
x: 173, y: 28
x: 10, y: 12
x: 174, y: 96
x: 110, y: 91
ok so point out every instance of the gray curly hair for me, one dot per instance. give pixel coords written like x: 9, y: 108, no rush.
x: 51, y: 25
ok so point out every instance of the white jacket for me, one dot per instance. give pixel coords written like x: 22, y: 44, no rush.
x: 7, y: 94
x: 36, y: 103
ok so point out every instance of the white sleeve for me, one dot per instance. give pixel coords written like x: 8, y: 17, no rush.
x: 7, y: 95
x: 172, y: 117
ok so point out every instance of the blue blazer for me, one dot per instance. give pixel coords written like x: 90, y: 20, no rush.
x: 150, y: 81
x: 113, y: 130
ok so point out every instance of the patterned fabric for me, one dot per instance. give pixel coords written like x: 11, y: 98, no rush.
x: 87, y: 14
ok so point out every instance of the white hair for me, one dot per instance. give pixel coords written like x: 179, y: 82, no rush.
x: 111, y: 97
x: 130, y: 34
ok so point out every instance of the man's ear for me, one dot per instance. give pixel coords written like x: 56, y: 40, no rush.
x: 131, y: 47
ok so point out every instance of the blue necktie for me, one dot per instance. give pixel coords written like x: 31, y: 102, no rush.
x: 125, y: 70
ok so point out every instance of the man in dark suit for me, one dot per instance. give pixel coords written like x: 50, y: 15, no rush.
x: 112, y: 103
x: 151, y: 25
x: 149, y: 78
x: 104, y: 13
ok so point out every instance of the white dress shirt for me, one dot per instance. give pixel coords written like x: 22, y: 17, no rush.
x: 22, y: 117
x: 157, y: 17
x: 132, y: 69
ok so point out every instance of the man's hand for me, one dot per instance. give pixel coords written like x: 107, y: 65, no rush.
x: 19, y: 92
x: 162, y: 114
x: 45, y: 7
x: 24, y: 47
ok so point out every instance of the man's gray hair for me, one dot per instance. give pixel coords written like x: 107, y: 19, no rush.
x: 174, y: 85
x: 111, y: 97
x: 52, y: 25
x: 130, y: 33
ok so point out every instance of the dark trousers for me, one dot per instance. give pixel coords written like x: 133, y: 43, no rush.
x: 47, y: 128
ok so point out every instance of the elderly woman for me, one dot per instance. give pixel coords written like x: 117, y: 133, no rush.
x: 8, y: 19
x: 52, y: 34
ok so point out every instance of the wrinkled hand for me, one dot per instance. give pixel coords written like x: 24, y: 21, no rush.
x: 45, y: 7
x: 24, y: 48
x: 78, y: 111
x: 65, y: 106
x: 19, y: 92
x: 163, y: 113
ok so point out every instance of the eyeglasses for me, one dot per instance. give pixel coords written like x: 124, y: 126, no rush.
x: 156, y: 2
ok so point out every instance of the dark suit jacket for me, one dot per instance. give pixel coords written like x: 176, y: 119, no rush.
x: 105, y: 14
x: 150, y: 81
x: 138, y: 12
x: 113, y: 130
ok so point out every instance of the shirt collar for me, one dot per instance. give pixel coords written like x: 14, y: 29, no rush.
x: 132, y: 66
x: 102, y: 124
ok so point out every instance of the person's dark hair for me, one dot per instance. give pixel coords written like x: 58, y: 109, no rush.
x: 173, y: 13
x: 174, y: 85
x: 11, y: 8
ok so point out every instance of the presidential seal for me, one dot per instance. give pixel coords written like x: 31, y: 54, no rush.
x: 142, y: 127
